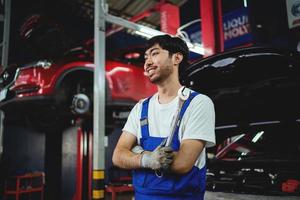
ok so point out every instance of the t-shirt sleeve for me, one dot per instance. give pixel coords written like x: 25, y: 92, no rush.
x: 200, y: 122
x: 133, y: 120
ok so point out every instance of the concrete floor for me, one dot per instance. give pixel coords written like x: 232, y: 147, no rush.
x: 220, y: 196
x: 233, y: 196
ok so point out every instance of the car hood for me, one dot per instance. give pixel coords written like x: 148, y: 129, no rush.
x: 249, y: 85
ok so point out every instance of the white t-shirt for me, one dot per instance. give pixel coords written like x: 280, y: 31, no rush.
x: 198, y: 122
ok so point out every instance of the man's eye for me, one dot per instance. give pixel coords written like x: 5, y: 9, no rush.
x: 154, y: 53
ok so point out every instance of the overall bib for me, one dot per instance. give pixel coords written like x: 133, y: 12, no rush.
x: 190, y: 186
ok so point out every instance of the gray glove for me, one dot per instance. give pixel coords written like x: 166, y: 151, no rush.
x: 137, y: 149
x: 161, y: 157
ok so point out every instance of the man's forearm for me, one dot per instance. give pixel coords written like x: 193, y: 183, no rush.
x: 187, y: 156
x: 126, y: 159
x: 178, y: 167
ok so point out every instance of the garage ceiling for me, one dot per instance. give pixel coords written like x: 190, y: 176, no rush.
x: 75, y: 17
x: 130, y: 8
x: 125, y: 9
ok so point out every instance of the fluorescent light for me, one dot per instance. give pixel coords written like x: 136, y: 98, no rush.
x: 196, y: 48
x: 146, y: 35
x: 245, y: 3
x: 148, y: 32
x: 189, y: 45
x: 257, y: 136
x: 225, y: 127
x: 263, y: 123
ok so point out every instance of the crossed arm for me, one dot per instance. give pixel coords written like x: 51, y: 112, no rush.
x: 122, y: 156
x: 183, y: 162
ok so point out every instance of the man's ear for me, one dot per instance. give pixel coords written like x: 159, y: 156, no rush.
x: 178, y: 58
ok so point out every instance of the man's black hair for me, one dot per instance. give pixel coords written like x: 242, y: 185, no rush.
x: 173, y: 45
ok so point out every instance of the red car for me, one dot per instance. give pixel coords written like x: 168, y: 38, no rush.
x: 67, y: 84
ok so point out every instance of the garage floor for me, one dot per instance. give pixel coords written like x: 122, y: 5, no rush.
x: 220, y: 196
x: 232, y: 196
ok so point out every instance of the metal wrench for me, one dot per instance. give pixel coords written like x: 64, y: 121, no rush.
x: 168, y: 140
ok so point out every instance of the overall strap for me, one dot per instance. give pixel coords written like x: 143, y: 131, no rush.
x: 144, y: 118
x: 182, y: 111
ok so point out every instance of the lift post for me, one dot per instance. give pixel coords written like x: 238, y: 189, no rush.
x: 212, y: 26
x: 99, y: 101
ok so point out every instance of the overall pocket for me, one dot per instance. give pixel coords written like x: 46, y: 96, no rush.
x: 164, y: 183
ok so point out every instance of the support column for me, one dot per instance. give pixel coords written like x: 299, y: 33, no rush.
x: 212, y: 26
x: 6, y: 31
x: 99, y: 101
x: 169, y: 18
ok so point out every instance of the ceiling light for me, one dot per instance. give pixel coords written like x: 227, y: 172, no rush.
x: 149, y: 32
x: 257, y: 136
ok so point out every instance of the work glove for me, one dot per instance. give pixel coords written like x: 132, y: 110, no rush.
x: 160, y: 158
x: 137, y: 149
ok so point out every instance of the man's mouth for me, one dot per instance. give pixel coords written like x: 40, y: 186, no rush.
x: 150, y: 71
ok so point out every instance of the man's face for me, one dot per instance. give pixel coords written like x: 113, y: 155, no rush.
x: 158, y: 64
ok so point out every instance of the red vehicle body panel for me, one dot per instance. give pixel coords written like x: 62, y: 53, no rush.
x: 125, y: 81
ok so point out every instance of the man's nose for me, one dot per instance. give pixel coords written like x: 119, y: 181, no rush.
x: 148, y: 62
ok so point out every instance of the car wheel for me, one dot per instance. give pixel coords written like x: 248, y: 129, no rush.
x: 74, y: 94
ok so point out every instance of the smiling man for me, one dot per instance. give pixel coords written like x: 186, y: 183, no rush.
x: 142, y: 145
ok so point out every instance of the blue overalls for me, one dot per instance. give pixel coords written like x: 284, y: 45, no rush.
x: 190, y: 186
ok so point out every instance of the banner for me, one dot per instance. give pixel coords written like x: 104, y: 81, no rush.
x: 236, y: 28
x: 293, y: 13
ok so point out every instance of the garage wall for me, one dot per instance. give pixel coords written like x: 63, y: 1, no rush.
x: 24, y: 150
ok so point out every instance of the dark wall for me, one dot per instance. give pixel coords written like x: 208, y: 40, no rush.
x: 269, y: 22
x: 23, y: 152
x: 24, y: 149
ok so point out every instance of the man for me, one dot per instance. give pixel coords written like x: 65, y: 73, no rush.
x: 149, y: 123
